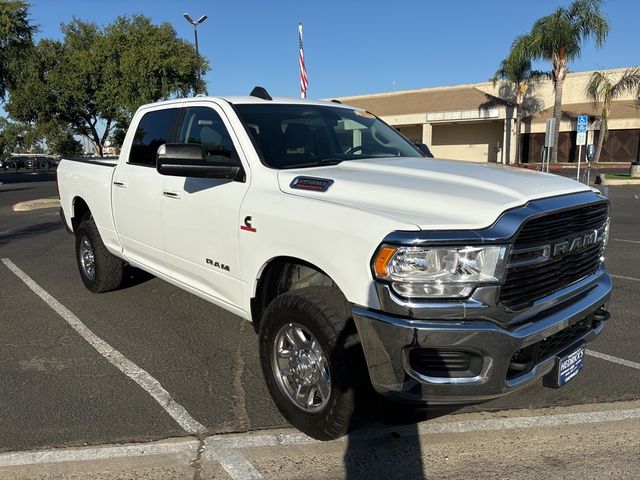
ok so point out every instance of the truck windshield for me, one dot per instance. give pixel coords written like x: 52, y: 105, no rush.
x: 298, y: 135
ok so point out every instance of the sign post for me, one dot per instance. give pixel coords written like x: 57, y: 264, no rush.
x: 581, y: 138
x: 548, y: 140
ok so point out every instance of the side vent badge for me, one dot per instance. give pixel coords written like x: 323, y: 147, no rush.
x: 311, y: 183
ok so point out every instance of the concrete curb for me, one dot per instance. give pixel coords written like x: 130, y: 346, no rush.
x: 616, y: 181
x: 227, y: 455
x: 39, y: 203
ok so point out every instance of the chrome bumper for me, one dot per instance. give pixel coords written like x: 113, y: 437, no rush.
x: 388, y: 339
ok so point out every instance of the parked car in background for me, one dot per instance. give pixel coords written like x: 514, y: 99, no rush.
x: 18, y: 162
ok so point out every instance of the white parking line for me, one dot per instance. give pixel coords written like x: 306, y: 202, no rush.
x: 236, y: 465
x: 126, y: 366
x: 188, y: 446
x: 622, y: 277
x: 610, y: 358
x: 627, y: 241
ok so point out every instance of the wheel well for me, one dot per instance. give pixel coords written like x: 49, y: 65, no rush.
x: 80, y: 210
x: 281, y: 275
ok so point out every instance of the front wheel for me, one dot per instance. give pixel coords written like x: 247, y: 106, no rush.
x: 99, y: 269
x: 312, y: 360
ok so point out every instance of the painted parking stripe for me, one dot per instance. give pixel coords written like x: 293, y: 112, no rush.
x: 610, y: 358
x: 126, y: 366
x: 626, y: 241
x: 622, y: 277
x: 188, y: 445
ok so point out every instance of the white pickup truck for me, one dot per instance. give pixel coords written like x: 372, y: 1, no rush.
x: 359, y: 261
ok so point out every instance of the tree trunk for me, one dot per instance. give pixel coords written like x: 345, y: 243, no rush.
x: 557, y: 114
x: 518, y: 134
x: 97, y: 142
x: 601, y: 135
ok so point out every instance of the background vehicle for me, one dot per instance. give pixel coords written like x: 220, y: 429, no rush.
x: 18, y: 162
x: 449, y: 282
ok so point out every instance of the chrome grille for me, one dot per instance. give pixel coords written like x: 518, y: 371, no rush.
x: 534, y: 273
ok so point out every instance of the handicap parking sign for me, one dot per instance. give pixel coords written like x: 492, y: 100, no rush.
x: 583, y: 122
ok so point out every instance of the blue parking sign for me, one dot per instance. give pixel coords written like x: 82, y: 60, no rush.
x: 583, y: 122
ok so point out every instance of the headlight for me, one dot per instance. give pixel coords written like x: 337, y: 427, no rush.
x: 451, y: 272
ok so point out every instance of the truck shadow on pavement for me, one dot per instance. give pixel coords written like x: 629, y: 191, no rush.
x: 132, y: 277
x: 384, y: 440
x: 389, y: 446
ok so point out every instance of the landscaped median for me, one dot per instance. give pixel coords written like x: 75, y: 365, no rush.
x: 37, y: 204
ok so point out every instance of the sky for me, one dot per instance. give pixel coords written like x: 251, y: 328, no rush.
x: 352, y: 47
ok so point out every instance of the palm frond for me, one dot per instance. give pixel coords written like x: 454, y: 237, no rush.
x: 598, y: 83
x: 628, y: 83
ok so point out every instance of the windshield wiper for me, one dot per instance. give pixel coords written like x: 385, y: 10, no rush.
x: 315, y: 163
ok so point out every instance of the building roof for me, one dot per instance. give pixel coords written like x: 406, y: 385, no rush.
x: 426, y: 101
x: 621, y: 109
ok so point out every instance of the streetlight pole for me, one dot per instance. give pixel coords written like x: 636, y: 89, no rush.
x: 195, y: 24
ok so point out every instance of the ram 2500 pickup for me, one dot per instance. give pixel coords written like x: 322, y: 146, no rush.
x: 359, y: 261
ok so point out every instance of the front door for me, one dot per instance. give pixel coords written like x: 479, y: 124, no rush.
x: 201, y: 224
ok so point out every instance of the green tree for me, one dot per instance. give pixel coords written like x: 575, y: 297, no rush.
x: 558, y: 38
x: 15, y: 40
x: 602, y: 88
x: 519, y: 78
x: 15, y: 137
x: 95, y: 78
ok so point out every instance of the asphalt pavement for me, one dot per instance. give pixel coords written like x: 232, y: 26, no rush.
x: 57, y: 391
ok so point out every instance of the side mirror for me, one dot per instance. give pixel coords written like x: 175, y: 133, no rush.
x: 423, y: 149
x: 188, y: 160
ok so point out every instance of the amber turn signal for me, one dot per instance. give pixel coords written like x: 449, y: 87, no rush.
x: 382, y: 260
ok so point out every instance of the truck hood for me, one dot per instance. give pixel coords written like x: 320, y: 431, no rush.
x: 432, y: 194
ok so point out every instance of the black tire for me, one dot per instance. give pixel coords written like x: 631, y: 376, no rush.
x: 326, y: 314
x: 107, y: 267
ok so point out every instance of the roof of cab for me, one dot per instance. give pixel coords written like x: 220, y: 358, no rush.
x: 239, y: 100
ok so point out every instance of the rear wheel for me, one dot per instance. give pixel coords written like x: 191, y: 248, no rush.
x: 99, y: 269
x: 312, y: 360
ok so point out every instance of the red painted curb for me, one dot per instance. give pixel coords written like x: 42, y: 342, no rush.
x: 562, y: 166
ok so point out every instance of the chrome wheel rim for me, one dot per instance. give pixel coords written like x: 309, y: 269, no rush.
x: 301, y: 368
x: 87, y: 258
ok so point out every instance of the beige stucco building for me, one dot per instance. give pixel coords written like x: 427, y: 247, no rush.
x: 476, y: 122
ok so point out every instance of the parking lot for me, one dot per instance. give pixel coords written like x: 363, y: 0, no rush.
x: 57, y: 389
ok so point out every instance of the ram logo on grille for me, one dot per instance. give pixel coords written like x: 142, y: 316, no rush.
x: 574, y: 244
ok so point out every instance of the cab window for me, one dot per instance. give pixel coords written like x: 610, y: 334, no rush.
x: 203, y: 125
x: 155, y: 129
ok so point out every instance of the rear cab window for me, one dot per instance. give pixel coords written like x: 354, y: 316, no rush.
x: 155, y: 128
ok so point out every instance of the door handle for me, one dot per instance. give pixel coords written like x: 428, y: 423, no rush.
x: 171, y: 194
x: 120, y: 184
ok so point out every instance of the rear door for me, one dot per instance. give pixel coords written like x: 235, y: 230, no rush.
x: 201, y: 215
x: 137, y: 190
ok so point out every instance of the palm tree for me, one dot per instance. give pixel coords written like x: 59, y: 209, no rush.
x: 558, y: 38
x: 517, y: 73
x: 603, y: 88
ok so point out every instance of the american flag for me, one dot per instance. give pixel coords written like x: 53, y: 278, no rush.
x: 304, y: 81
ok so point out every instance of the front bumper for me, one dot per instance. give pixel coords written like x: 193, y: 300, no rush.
x: 388, y: 341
